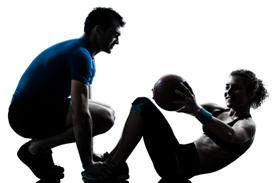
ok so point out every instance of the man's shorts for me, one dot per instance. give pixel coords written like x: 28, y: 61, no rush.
x: 38, y: 118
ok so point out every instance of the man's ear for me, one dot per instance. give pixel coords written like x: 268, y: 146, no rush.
x: 97, y: 30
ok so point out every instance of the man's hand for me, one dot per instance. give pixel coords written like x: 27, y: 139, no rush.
x: 97, y: 157
x: 101, y: 170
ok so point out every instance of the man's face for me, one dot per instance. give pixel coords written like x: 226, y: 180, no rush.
x: 109, y: 38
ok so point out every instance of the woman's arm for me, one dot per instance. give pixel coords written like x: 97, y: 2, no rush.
x: 241, y: 132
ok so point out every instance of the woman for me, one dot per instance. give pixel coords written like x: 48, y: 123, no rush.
x: 228, y: 132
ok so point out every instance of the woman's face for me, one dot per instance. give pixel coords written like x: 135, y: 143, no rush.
x: 236, y: 94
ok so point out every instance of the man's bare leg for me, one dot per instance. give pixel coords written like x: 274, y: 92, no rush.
x: 103, y: 120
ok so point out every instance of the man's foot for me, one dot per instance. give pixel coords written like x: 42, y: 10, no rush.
x: 49, y: 163
x: 49, y: 181
x: 41, y: 164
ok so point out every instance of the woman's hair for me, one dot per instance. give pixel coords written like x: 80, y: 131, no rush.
x: 252, y: 83
x: 103, y: 17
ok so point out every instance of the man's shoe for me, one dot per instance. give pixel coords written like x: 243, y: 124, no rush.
x: 41, y: 164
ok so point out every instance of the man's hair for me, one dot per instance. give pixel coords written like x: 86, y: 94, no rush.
x: 252, y: 83
x: 103, y: 17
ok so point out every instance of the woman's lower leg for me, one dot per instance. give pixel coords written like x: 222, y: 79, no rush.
x: 131, y: 135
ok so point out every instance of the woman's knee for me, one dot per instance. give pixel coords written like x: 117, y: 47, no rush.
x: 141, y: 100
x: 144, y: 107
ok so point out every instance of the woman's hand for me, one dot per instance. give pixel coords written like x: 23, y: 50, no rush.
x: 188, y: 100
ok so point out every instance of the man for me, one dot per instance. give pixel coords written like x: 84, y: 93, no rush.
x: 42, y: 110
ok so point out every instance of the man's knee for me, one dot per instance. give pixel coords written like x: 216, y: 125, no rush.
x: 109, y: 118
x: 106, y: 120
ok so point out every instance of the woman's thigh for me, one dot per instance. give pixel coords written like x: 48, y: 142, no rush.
x: 160, y: 141
x: 170, y: 158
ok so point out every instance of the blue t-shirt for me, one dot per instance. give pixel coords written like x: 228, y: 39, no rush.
x: 49, y: 75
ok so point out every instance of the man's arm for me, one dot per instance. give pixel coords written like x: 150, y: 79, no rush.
x: 82, y: 121
x: 83, y: 128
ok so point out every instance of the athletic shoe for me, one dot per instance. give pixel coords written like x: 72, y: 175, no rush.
x: 49, y: 181
x: 41, y: 164
x: 121, y: 173
x: 86, y: 177
x: 106, y: 156
x: 174, y: 180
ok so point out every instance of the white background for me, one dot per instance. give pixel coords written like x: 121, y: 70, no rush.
x: 203, y: 41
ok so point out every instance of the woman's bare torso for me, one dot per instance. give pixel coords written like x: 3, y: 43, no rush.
x: 212, y: 157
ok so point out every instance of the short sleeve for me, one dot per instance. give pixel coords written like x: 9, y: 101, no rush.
x: 82, y: 68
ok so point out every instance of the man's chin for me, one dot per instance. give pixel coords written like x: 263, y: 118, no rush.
x: 107, y: 51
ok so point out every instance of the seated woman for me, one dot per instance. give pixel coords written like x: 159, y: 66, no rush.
x: 228, y: 132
